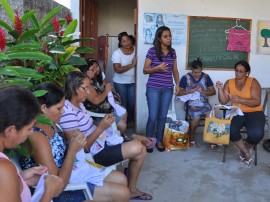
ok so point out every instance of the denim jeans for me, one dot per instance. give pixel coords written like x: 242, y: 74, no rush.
x: 158, y: 100
x: 126, y: 91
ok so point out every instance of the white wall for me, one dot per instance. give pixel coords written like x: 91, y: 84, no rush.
x: 255, y: 10
x: 116, y: 16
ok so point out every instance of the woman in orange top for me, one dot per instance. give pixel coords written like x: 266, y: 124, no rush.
x: 245, y: 92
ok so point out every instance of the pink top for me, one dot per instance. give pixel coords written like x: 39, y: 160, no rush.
x: 238, y: 40
x: 25, y: 194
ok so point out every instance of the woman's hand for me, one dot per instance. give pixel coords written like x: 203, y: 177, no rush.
x: 176, y: 90
x: 162, y: 67
x: 134, y: 61
x: 77, y: 141
x: 219, y: 85
x: 108, y: 87
x: 31, y: 175
x: 106, y: 122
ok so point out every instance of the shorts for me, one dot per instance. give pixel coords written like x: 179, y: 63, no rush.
x: 72, y: 196
x: 110, y: 155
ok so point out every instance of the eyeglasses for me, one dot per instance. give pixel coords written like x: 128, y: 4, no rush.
x: 86, y: 88
x: 239, y: 71
x: 196, y: 73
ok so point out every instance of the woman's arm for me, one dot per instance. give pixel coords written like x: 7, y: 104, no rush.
x: 211, y: 91
x: 148, y: 70
x: 223, y: 92
x: 42, y: 154
x: 106, y: 122
x: 96, y: 98
x: 10, y: 184
x: 255, y: 93
x: 121, y: 69
x: 176, y: 77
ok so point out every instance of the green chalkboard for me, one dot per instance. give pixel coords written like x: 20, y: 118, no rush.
x: 207, y: 39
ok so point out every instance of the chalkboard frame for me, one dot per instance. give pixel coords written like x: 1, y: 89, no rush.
x: 223, y: 66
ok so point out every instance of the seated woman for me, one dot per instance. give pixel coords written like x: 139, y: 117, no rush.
x: 97, y: 101
x: 245, y: 92
x: 76, y: 117
x: 18, y: 111
x: 197, y: 81
x: 48, y: 147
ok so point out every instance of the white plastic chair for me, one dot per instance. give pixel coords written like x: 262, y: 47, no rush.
x: 69, y: 187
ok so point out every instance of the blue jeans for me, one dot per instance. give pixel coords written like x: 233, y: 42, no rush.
x: 158, y: 100
x: 126, y: 91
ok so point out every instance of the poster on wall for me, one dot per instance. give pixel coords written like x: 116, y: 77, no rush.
x: 263, y: 46
x: 177, y: 24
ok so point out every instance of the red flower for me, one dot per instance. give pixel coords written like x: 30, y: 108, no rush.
x: 2, y: 40
x: 68, y: 18
x: 18, y: 23
x: 45, y: 48
x: 40, y: 69
x: 61, y: 33
x: 56, y: 25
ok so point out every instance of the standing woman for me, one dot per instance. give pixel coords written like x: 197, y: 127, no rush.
x: 124, y: 61
x: 161, y: 65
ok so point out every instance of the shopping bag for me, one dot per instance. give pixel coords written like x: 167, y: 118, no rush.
x: 217, y: 131
x: 176, y: 135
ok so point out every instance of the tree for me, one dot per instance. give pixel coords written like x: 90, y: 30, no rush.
x: 265, y: 33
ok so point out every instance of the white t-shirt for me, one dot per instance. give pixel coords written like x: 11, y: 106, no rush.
x: 119, y: 57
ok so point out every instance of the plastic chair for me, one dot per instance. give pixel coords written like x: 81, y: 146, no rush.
x: 69, y: 187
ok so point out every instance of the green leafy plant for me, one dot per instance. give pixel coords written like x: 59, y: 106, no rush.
x: 41, y: 52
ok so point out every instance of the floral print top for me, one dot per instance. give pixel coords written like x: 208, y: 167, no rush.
x: 58, y: 145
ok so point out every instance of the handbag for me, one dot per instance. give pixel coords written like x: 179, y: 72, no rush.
x: 176, y: 135
x: 217, y: 131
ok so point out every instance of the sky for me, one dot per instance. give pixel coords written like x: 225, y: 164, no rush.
x: 65, y: 3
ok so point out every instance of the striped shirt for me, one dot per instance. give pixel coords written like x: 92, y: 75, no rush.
x: 161, y: 79
x: 75, y: 118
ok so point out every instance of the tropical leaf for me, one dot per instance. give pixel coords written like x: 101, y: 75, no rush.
x: 28, y: 15
x: 34, y: 55
x: 70, y: 29
x: 21, y: 72
x: 58, y: 49
x: 27, y: 46
x: 14, y: 33
x: 85, y: 49
x: 69, y: 52
x: 5, y: 25
x: 17, y: 81
x: 39, y: 93
x: 4, y: 57
x: 43, y: 119
x: 34, y: 21
x: 75, y: 41
x: 8, y: 9
x: 73, y: 60
x: 27, y: 34
x: 50, y: 15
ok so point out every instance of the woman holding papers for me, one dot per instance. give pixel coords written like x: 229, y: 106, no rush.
x: 245, y: 92
x: 197, y: 86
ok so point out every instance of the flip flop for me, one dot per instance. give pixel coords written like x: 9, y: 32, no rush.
x: 144, y: 196
x: 152, y: 141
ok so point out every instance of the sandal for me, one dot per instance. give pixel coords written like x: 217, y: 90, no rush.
x: 213, y: 147
x: 193, y: 144
x: 143, y: 196
x: 248, y: 163
x: 150, y: 142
